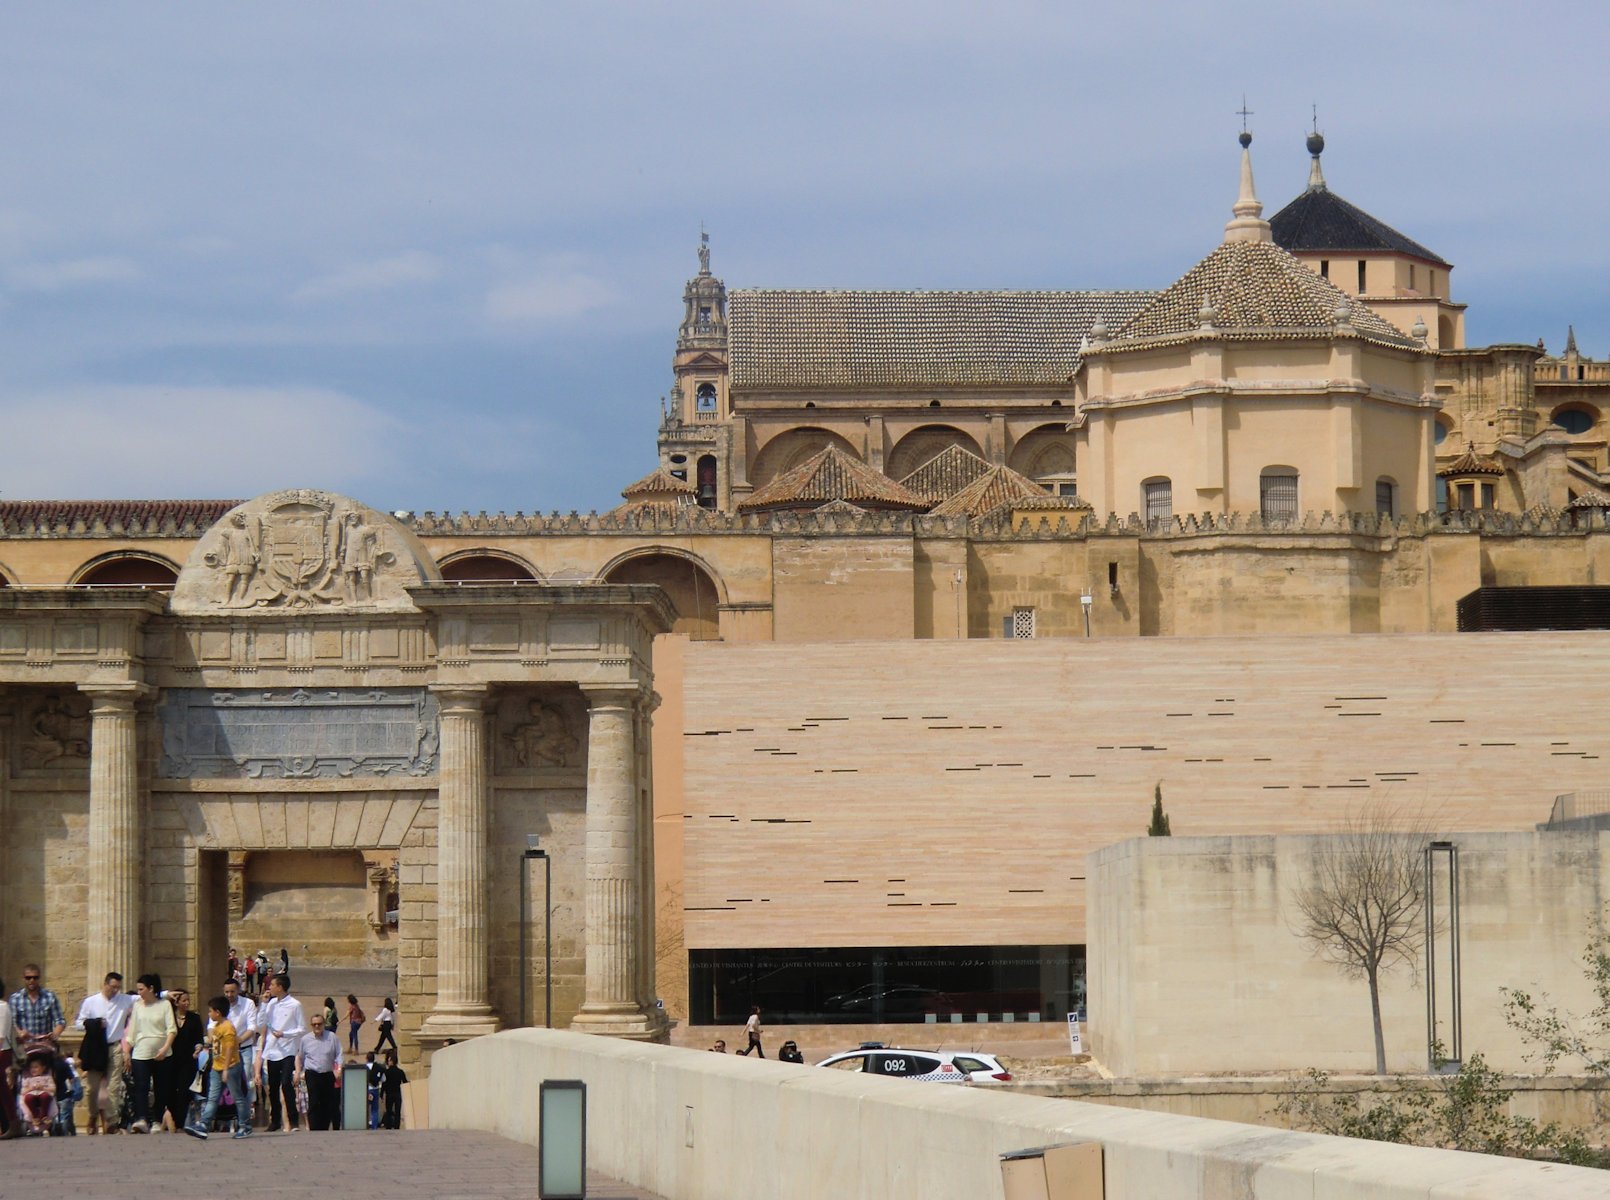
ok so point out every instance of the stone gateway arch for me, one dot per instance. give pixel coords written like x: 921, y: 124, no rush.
x: 311, y: 684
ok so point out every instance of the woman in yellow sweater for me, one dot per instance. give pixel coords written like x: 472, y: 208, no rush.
x: 146, y: 1043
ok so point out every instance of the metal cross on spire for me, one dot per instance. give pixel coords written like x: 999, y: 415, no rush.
x: 1243, y: 112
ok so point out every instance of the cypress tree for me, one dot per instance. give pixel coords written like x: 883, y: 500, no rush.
x: 1159, y: 826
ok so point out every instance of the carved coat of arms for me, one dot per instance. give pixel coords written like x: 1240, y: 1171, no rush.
x: 301, y: 552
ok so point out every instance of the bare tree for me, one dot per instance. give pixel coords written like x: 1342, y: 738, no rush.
x: 1363, y: 905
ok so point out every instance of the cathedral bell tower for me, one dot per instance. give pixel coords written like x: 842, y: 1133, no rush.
x: 696, y: 433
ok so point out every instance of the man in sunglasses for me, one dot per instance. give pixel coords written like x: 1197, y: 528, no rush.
x: 36, y: 1014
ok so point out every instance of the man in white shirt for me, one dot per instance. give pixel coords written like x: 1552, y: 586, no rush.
x: 110, y: 1006
x: 318, y: 1057
x: 243, y: 1016
x: 280, y: 1026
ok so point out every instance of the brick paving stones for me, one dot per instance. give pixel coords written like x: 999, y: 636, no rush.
x: 438, y: 1164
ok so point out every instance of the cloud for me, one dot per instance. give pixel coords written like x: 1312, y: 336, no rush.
x: 547, y: 297
x: 114, y: 441
x: 72, y: 273
x: 381, y: 274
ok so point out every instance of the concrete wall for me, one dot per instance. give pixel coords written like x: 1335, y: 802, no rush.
x: 690, y: 1125
x: 1195, y: 965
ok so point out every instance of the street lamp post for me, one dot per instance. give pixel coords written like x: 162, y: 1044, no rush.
x: 530, y: 852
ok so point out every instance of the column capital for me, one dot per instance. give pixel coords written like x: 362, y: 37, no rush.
x: 115, y: 697
x: 461, y: 696
x: 620, y: 695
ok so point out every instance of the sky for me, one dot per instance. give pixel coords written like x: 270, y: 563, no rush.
x: 432, y: 255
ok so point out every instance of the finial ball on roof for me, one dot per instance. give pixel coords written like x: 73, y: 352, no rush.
x: 1316, y: 143
x: 1245, y: 139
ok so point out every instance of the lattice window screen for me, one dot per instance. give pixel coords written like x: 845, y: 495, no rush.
x: 1022, y: 622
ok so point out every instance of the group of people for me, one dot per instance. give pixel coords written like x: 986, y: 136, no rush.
x: 147, y: 1061
x: 752, y: 1031
x: 254, y: 971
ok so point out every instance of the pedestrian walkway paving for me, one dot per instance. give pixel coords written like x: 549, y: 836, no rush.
x: 438, y: 1164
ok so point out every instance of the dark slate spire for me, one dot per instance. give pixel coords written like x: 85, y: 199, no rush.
x: 1320, y: 221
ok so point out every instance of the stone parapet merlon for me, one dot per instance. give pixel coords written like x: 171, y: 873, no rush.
x: 1025, y: 525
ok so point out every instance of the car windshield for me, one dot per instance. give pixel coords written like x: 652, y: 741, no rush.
x: 855, y: 1062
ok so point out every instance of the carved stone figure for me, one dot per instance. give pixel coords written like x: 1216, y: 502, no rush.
x: 237, y: 559
x: 360, y: 553
x: 303, y: 550
x: 542, y: 741
x: 58, y: 729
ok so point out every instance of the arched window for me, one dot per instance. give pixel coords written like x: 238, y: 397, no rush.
x: 1386, y: 497
x: 704, y: 400
x: 1277, y: 494
x: 1574, y: 420
x: 1157, y: 500
x: 707, y: 481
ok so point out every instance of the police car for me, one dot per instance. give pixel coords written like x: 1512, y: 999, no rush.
x: 936, y: 1066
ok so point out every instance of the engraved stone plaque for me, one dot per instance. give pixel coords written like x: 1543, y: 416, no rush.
x: 312, y: 733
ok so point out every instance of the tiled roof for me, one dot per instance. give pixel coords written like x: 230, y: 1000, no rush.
x: 148, y: 517
x: 1256, y: 289
x: 1049, y: 503
x: 824, y: 339
x: 1320, y: 220
x: 946, y: 473
x: 1470, y: 463
x: 1590, y: 499
x: 831, y: 475
x: 658, y: 483
x: 997, y: 486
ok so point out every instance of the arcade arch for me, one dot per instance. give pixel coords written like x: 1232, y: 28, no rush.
x: 792, y: 447
x: 127, y: 568
x: 922, y: 445
x: 483, y: 565
x: 1046, y: 455
x: 689, y: 582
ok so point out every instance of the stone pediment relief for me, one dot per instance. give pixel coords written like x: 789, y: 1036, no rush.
x: 303, y: 551
x: 538, y: 734
x: 55, y: 732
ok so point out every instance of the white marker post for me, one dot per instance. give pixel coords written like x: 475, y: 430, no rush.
x: 1075, y: 1043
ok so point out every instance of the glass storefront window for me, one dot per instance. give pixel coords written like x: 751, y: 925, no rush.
x: 864, y: 985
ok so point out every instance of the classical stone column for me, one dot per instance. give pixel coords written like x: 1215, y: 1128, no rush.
x: 614, y: 1001
x: 463, y: 924
x: 116, y: 837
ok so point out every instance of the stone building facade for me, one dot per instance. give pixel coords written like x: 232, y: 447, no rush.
x: 1292, y: 438
x: 310, y: 686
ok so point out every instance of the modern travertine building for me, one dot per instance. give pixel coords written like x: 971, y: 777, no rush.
x: 1290, y: 439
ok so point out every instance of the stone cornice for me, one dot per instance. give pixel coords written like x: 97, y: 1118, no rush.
x: 655, y: 607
